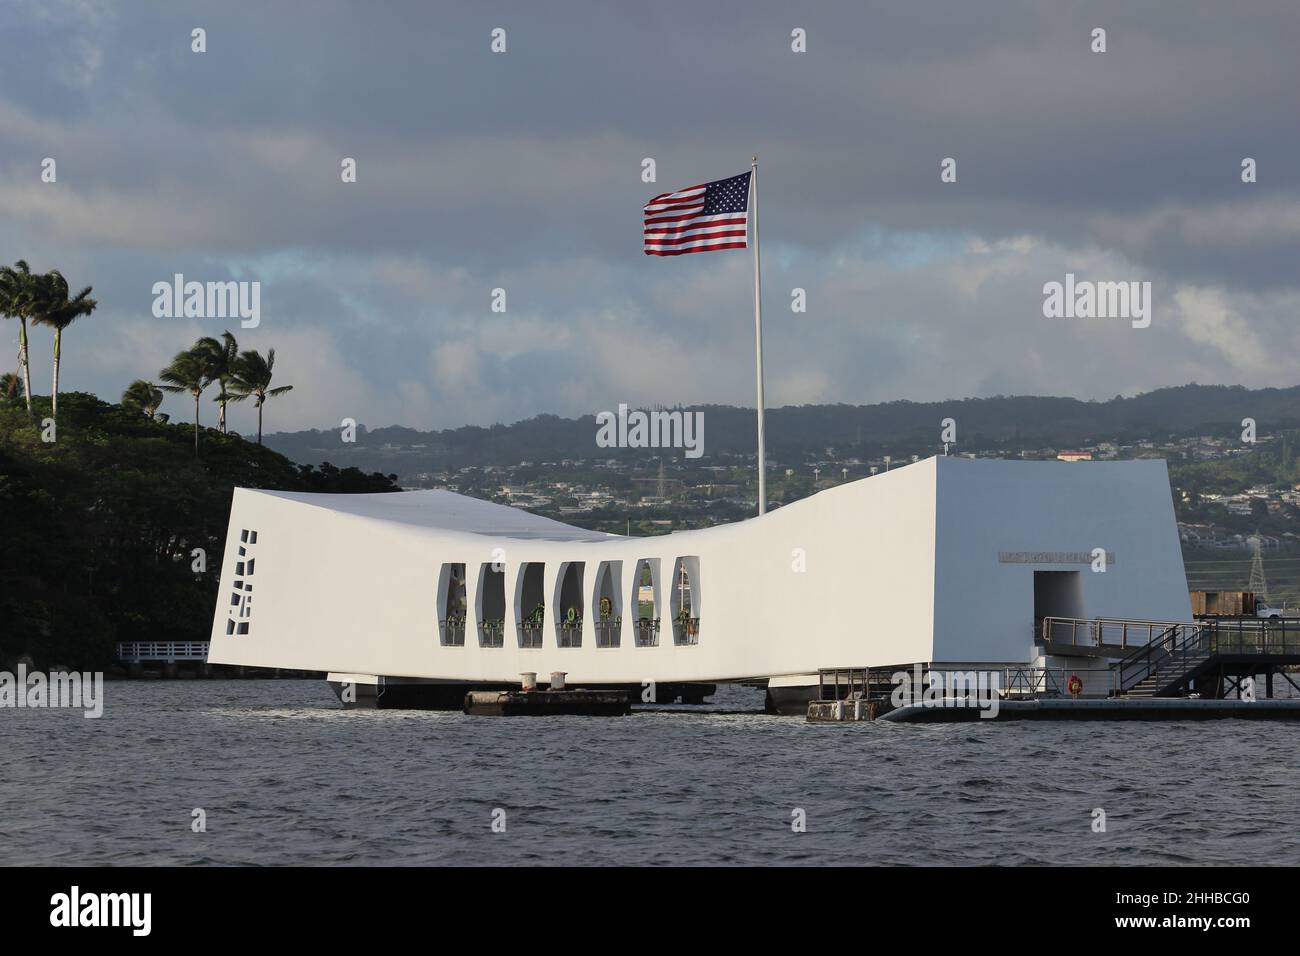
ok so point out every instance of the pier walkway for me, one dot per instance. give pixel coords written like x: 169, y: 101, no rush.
x: 1211, y: 658
x: 1157, y: 671
x: 166, y: 652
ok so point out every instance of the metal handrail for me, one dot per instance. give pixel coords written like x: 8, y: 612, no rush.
x: 686, y: 631
x: 162, y: 650
x: 1123, y: 632
x: 854, y: 677
x: 608, y: 631
x: 569, y: 633
x: 646, y: 632
x: 1172, y: 652
x: 1034, y: 681
x: 492, y: 633
x: 1186, y: 646
x: 1253, y: 636
x: 453, y: 632
x: 530, y: 635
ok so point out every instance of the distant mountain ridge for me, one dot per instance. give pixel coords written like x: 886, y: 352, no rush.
x: 797, y: 431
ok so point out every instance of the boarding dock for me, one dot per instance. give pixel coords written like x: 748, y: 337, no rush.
x: 1131, y: 670
x: 1112, y: 708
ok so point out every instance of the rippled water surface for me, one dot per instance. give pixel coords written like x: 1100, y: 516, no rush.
x: 286, y: 776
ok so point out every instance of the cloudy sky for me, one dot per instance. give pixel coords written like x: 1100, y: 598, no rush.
x: 522, y: 171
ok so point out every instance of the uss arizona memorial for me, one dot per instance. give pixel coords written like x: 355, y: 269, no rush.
x: 949, y: 562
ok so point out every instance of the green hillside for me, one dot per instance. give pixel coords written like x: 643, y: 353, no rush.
x: 795, y: 433
x: 99, y: 526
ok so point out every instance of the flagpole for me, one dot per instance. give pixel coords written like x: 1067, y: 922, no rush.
x: 758, y: 340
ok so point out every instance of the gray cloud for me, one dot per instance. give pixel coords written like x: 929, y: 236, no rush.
x: 522, y: 171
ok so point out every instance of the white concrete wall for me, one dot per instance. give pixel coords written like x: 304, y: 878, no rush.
x: 985, y: 608
x: 338, y: 592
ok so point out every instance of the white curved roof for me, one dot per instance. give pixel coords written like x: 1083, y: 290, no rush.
x: 445, y: 511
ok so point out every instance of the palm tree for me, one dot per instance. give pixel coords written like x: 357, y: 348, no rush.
x: 143, y: 397
x: 55, y: 309
x: 187, y: 373
x: 11, y: 386
x: 222, y: 355
x: 17, y: 296
x: 253, y: 377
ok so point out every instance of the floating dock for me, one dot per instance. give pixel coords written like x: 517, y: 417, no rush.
x: 1119, y: 708
x: 548, y: 703
x: 1185, y: 670
x: 369, y: 692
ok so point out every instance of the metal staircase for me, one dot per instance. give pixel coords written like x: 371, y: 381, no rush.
x: 1165, y: 666
x: 1209, y: 652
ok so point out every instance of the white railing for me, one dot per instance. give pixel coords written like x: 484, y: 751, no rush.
x: 1109, y: 632
x: 138, y: 651
x: 1034, y: 682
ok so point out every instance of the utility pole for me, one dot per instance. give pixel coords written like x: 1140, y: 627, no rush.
x: 1257, y: 582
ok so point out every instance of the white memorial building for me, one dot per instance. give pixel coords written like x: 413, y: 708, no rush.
x: 944, y: 562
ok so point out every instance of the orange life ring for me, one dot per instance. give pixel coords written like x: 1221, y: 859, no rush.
x: 1074, y: 685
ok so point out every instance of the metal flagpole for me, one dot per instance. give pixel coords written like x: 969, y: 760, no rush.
x: 758, y: 339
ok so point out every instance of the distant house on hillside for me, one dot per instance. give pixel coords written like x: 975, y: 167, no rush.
x: 1074, y: 456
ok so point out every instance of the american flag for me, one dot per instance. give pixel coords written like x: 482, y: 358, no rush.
x: 699, y: 219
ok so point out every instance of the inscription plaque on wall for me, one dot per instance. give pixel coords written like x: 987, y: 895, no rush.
x: 1050, y: 557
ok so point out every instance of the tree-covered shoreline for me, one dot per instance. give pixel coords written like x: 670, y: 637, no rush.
x: 100, y: 525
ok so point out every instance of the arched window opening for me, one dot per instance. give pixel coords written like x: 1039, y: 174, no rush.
x: 685, y: 601
x: 452, y: 606
x: 645, y: 600
x: 530, y: 604
x: 569, y: 605
x: 491, y: 606
x: 609, y: 604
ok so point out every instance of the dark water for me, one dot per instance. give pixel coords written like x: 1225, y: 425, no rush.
x: 286, y: 776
